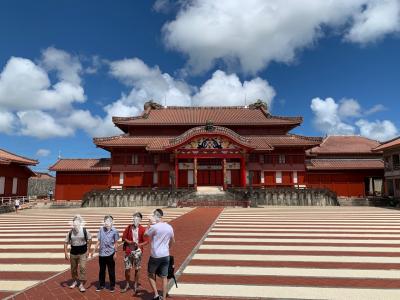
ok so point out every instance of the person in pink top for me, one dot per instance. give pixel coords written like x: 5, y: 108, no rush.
x: 161, y: 235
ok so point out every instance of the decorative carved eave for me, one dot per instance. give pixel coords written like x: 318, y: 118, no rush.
x: 209, y: 130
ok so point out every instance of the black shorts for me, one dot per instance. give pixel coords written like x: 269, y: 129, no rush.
x: 158, y: 266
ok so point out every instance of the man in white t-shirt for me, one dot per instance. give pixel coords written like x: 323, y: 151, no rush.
x: 161, y: 235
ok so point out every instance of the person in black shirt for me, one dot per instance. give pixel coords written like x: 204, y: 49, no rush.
x: 80, y: 240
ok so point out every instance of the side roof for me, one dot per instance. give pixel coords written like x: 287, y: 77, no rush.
x: 344, y: 145
x: 84, y: 164
x: 393, y: 143
x: 161, y: 143
x: 7, y: 157
x: 345, y: 164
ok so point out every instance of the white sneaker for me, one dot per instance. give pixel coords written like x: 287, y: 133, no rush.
x: 82, y: 288
x: 73, y: 285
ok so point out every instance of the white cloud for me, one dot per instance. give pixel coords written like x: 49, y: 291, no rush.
x: 349, y: 108
x: 164, y: 6
x: 377, y: 19
x: 42, y: 125
x: 51, y: 115
x: 223, y: 89
x: 68, y: 67
x: 7, y: 122
x: 149, y: 83
x: 327, y: 117
x: 25, y: 86
x: 250, y: 35
x: 377, y: 130
x: 43, y: 152
x: 343, y: 117
x: 376, y: 108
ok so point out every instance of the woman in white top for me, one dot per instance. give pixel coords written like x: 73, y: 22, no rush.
x: 16, y: 205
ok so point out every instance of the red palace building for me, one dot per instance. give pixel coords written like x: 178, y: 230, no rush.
x: 221, y: 146
x: 14, y: 174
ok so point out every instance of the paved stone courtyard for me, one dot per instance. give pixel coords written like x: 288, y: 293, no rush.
x: 277, y: 252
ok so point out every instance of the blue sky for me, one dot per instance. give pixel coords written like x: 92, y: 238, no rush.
x: 67, y: 66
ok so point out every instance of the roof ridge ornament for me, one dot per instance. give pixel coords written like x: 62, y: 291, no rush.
x: 209, y: 126
x: 259, y: 104
x: 151, y: 104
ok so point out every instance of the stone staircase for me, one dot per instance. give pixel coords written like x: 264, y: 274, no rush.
x: 212, y: 196
x: 369, y: 201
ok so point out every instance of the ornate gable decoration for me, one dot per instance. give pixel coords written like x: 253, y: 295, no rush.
x: 259, y: 104
x: 210, y: 143
x: 209, y: 126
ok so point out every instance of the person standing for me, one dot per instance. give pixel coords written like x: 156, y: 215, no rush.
x: 50, y: 195
x: 80, y: 240
x: 107, y: 243
x: 134, y: 240
x: 161, y: 236
x: 16, y: 204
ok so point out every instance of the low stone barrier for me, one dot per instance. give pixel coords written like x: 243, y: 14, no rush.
x: 288, y: 196
x: 133, y: 197
x: 6, y: 209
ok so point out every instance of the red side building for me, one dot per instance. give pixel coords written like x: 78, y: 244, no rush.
x: 346, y: 165
x: 14, y: 174
x: 391, y: 156
x: 197, y: 146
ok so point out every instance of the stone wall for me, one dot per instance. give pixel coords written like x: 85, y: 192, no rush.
x: 133, y: 197
x: 288, y: 197
x: 40, y: 187
x: 257, y: 197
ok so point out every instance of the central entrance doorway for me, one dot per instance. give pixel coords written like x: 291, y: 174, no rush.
x: 209, y: 172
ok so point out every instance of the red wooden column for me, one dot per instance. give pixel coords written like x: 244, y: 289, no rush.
x: 195, y: 173
x: 176, y: 171
x: 224, y: 174
x: 243, y: 172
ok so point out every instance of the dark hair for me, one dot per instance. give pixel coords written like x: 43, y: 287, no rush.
x: 137, y: 214
x: 159, y: 212
x: 108, y: 216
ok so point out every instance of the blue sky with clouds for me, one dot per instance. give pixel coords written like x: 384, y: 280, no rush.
x: 66, y: 67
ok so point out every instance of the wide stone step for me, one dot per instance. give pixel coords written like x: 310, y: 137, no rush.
x: 213, y: 203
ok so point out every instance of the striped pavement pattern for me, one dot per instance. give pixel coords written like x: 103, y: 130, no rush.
x: 298, y: 253
x: 32, y: 241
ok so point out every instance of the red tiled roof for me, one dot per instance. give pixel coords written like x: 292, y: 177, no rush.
x: 156, y: 142
x: 96, y: 164
x: 291, y: 140
x: 345, y: 164
x: 159, y: 143
x: 43, y: 175
x: 348, y: 144
x: 8, y: 157
x: 394, y: 143
x: 229, y: 115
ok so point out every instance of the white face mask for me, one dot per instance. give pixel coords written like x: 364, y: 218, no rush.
x: 136, y: 221
x: 152, y: 220
x: 76, y: 225
x: 108, y: 224
x: 155, y: 218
